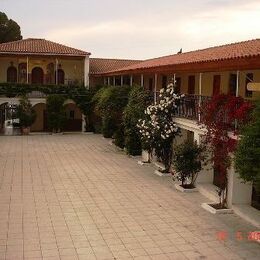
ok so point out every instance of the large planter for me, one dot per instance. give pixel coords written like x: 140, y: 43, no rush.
x: 182, y: 189
x: 25, y: 130
x: 145, y: 157
x: 213, y: 210
x: 162, y: 174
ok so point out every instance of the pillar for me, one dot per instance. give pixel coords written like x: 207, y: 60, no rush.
x: 237, y: 85
x: 131, y: 80
x: 122, y: 80
x: 56, y: 71
x: 142, y: 80
x: 155, y: 87
x: 27, y: 70
x: 83, y: 129
x: 86, y: 72
x: 114, y: 81
x: 108, y: 81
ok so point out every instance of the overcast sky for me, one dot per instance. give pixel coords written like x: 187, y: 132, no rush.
x: 136, y: 29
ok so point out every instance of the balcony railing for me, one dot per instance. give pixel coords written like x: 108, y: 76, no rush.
x: 189, y: 106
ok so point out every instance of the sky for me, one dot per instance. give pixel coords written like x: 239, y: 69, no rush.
x: 133, y: 29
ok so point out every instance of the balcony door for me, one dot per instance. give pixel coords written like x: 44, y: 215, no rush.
x: 37, y: 76
x: 216, y: 84
x: 191, y: 85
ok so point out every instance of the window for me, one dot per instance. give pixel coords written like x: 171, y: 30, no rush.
x: 72, y: 114
x: 164, y: 81
x: 216, y: 84
x: 191, y: 85
x: 12, y: 74
x: 232, y: 84
x: 249, y: 78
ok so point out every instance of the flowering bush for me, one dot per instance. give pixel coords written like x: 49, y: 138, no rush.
x: 220, y: 116
x: 158, y: 129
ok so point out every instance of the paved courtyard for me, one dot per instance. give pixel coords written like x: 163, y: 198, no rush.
x: 78, y: 197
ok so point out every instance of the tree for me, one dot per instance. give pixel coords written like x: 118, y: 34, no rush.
x: 220, y: 116
x: 247, y: 155
x: 139, y: 99
x: 158, y: 129
x: 55, y: 112
x: 187, y: 160
x: 109, y: 104
x: 9, y: 29
x: 25, y: 113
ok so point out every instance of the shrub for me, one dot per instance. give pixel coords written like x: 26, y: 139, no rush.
x: 55, y: 112
x: 25, y: 112
x: 139, y: 99
x: 187, y: 160
x: 247, y: 162
x: 158, y: 129
x: 109, y: 104
x: 119, y: 137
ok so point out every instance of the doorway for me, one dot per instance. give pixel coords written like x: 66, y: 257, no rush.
x: 37, y: 76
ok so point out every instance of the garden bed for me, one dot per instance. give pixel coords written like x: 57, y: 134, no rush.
x: 214, y: 208
x: 185, y: 188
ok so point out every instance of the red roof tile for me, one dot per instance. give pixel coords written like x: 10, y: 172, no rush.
x: 100, y: 65
x: 238, y: 50
x: 39, y: 47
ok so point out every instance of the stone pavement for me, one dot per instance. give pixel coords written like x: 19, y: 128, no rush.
x: 77, y: 197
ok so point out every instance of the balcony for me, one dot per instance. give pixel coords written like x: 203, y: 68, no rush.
x: 189, y: 106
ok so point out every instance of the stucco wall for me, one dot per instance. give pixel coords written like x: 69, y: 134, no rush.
x: 73, y: 67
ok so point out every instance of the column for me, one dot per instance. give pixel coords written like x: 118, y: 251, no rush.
x: 174, y: 79
x: 104, y: 81
x: 108, y: 81
x: 237, y: 85
x: 122, y: 80
x: 131, y: 80
x: 86, y: 72
x: 142, y: 80
x: 155, y: 87
x: 27, y: 70
x: 114, y: 81
x: 200, y: 92
x: 56, y: 71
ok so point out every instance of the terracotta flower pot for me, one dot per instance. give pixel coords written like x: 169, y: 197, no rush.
x: 25, y: 130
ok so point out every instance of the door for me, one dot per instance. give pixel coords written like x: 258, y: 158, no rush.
x: 216, y: 84
x: 191, y: 85
x: 232, y: 84
x: 37, y: 76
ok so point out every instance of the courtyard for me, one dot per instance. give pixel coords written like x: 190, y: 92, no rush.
x: 78, y: 197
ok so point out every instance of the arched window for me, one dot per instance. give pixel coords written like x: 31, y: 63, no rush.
x: 37, y: 75
x: 61, y: 77
x: 12, y: 74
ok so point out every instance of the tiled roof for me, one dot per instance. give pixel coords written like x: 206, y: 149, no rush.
x: 99, y: 65
x: 238, y: 50
x: 39, y: 47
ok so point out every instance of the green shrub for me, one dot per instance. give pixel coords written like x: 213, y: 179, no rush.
x: 108, y: 126
x: 139, y: 99
x: 25, y: 112
x: 247, y: 162
x: 119, y: 137
x: 109, y: 103
x: 187, y: 161
x: 55, y: 112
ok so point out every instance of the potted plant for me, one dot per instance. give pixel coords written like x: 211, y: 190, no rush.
x: 26, y: 115
x: 187, y: 161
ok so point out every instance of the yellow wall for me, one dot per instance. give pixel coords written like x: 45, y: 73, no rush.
x: 73, y: 68
x: 207, y: 81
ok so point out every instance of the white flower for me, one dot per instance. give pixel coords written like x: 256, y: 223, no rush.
x: 161, y: 90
